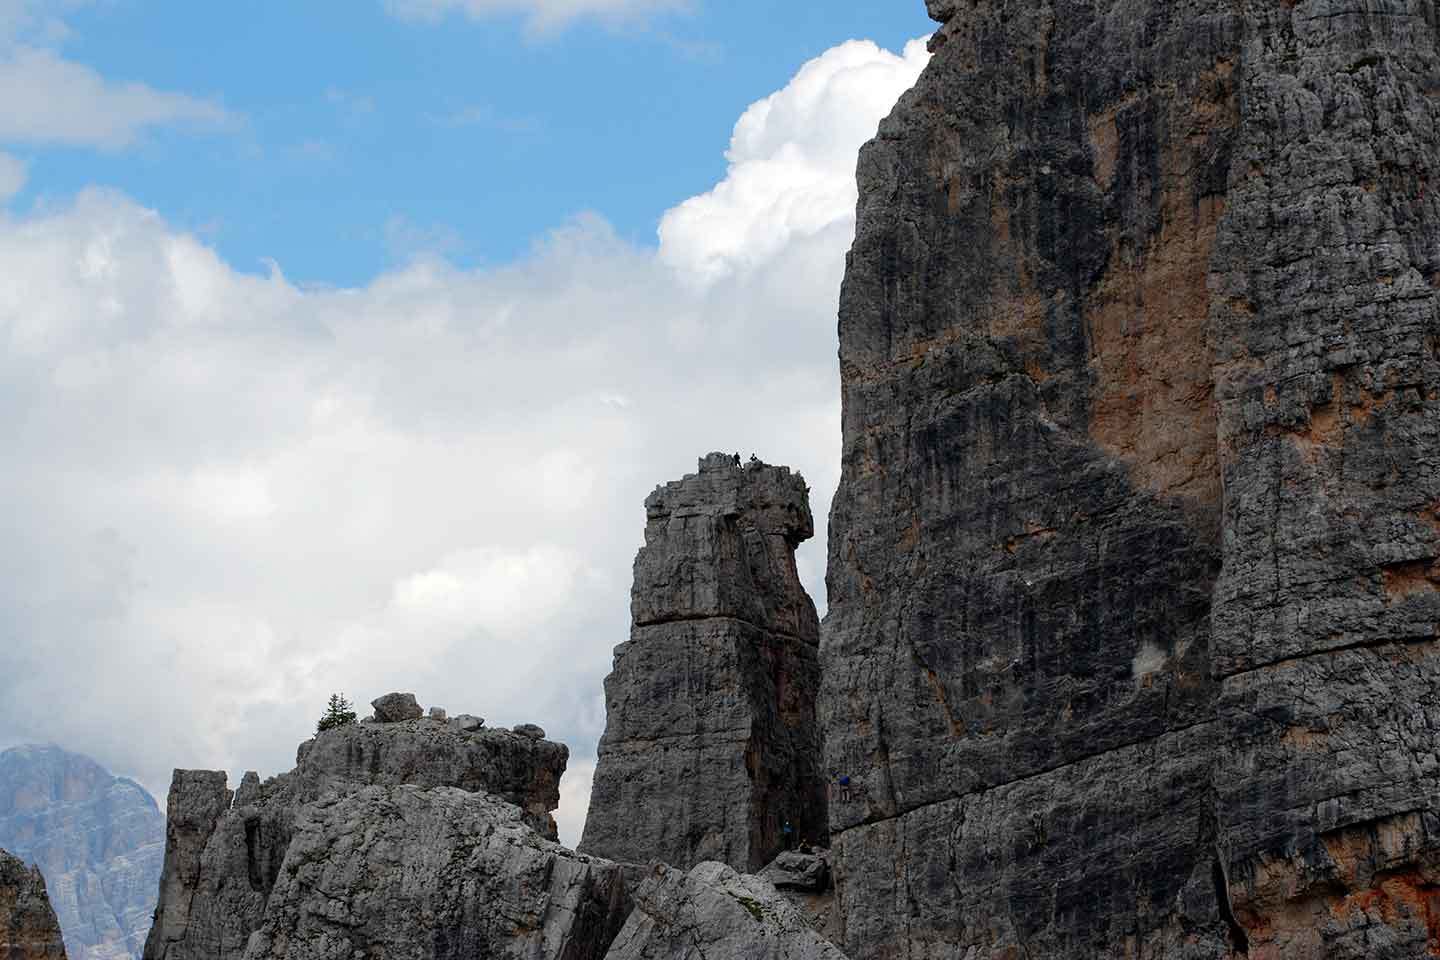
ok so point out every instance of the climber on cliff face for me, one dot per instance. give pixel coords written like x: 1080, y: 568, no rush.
x: 842, y: 783
x: 787, y: 833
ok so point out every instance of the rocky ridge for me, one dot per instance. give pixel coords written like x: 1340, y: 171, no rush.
x: 229, y: 854
x: 98, y: 839
x: 434, y: 874
x: 710, y: 741
x: 1133, y: 645
x: 28, y: 928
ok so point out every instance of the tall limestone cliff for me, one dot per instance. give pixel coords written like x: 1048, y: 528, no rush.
x: 28, y: 928
x: 710, y: 743
x: 1133, y: 646
x: 413, y: 837
x: 98, y: 839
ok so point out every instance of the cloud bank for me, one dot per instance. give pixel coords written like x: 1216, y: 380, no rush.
x: 229, y: 496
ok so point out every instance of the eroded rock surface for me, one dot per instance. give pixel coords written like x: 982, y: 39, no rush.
x: 407, y: 873
x: 1134, y: 628
x: 716, y: 913
x: 395, y: 707
x: 28, y: 928
x: 98, y: 839
x: 224, y: 851
x: 792, y: 870
x: 710, y: 743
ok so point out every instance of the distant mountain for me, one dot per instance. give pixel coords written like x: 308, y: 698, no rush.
x: 98, y: 839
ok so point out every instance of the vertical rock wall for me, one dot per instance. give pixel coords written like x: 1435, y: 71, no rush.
x: 1136, y: 535
x: 1326, y: 336
x: 710, y: 742
x: 28, y: 928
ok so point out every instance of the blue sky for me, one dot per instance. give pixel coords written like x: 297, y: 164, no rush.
x: 356, y: 136
x: 341, y: 344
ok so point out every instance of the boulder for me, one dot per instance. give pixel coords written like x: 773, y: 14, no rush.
x: 437, y: 713
x: 395, y: 707
x: 465, y: 723
x: 734, y: 917
x: 529, y: 730
x: 791, y: 870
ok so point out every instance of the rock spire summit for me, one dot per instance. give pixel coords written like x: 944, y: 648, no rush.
x: 710, y: 745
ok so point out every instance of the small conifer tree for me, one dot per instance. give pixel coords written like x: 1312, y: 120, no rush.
x: 338, y: 713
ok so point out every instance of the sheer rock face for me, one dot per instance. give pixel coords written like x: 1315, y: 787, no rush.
x: 1134, y: 629
x: 710, y: 743
x: 98, y: 839
x: 412, y: 874
x: 224, y: 851
x: 716, y: 913
x: 28, y: 928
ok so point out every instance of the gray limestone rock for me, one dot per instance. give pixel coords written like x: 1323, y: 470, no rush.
x: 98, y: 839
x: 222, y: 860
x: 437, y: 713
x: 465, y: 723
x: 1133, y: 645
x: 530, y: 730
x: 28, y: 928
x: 395, y: 707
x: 793, y: 870
x: 942, y: 10
x: 716, y: 913
x: 407, y: 873
x: 710, y: 741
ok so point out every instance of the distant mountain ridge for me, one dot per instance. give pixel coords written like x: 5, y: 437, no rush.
x: 98, y: 839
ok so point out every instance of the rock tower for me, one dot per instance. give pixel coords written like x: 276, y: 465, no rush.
x: 1133, y: 646
x: 28, y: 928
x: 710, y: 743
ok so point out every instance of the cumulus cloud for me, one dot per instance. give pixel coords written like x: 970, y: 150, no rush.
x: 540, y: 15
x: 228, y: 496
x: 791, y: 160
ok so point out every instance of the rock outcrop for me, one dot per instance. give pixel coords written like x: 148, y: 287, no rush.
x: 808, y: 872
x: 716, y: 913
x: 1133, y: 646
x: 710, y: 743
x: 98, y: 839
x: 28, y: 928
x: 227, y: 852
x: 407, y: 873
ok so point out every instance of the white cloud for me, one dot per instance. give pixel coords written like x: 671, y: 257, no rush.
x: 228, y: 496
x: 47, y: 99
x: 540, y: 15
x: 574, y: 801
x: 792, y: 162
